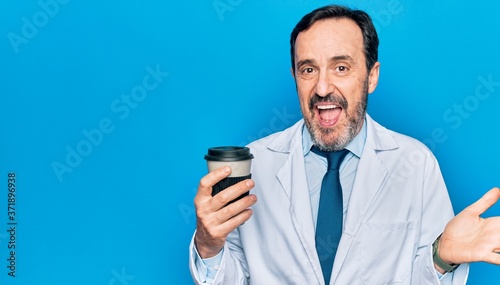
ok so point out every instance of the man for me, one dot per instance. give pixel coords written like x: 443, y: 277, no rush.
x: 394, y: 218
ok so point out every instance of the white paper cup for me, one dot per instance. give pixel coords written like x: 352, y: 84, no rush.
x: 238, y: 158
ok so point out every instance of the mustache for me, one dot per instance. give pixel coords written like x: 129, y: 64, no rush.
x: 330, y: 98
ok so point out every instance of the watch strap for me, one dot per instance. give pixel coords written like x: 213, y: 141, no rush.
x: 438, y: 261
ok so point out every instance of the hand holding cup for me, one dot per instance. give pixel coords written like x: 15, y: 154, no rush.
x: 219, y: 212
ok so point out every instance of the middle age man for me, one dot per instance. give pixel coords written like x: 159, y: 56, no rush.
x: 393, y: 212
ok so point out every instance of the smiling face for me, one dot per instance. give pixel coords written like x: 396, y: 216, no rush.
x: 332, y: 81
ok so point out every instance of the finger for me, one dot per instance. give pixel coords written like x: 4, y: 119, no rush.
x: 485, y: 202
x: 493, y: 258
x: 233, y: 209
x: 230, y: 193
x: 209, y: 180
x: 236, y: 221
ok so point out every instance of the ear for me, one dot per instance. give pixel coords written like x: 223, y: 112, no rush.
x: 373, y: 77
x: 292, y: 72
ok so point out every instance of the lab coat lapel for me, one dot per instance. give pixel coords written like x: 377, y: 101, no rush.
x: 293, y: 180
x: 370, y: 176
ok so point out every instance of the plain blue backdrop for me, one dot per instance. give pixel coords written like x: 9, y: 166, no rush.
x: 109, y: 106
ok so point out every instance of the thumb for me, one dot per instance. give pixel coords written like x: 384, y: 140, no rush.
x: 485, y: 202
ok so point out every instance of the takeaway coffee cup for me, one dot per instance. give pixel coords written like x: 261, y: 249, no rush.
x: 238, y: 158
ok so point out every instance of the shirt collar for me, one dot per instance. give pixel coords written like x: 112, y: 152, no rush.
x: 355, y: 146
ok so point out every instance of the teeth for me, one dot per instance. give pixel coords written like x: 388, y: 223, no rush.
x: 325, y: 107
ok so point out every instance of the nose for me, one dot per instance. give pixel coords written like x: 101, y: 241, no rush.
x: 324, y: 85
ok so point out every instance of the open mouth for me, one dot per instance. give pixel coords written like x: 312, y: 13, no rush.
x: 328, y: 113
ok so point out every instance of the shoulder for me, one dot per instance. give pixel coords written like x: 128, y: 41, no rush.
x: 382, y: 139
x: 281, y: 141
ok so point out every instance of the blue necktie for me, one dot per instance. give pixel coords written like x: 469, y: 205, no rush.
x: 330, y: 212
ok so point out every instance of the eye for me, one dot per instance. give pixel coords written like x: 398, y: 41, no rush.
x: 342, y: 69
x: 307, y: 72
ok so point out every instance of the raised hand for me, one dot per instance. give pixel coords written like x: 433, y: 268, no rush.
x: 470, y: 238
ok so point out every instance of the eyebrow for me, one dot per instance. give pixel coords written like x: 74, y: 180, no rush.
x: 332, y: 59
x: 305, y: 62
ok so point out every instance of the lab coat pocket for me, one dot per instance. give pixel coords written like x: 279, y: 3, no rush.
x: 387, y: 252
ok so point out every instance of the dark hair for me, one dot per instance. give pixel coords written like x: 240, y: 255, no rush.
x: 362, y: 19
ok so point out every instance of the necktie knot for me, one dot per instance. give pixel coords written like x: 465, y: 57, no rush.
x: 334, y: 158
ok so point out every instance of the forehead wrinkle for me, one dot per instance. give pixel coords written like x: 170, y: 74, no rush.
x: 346, y: 57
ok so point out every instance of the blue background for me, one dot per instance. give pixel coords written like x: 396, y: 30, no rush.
x: 124, y: 209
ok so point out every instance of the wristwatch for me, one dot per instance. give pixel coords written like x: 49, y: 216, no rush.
x: 438, y: 261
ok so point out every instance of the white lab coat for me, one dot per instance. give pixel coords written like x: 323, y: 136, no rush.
x: 398, y: 206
